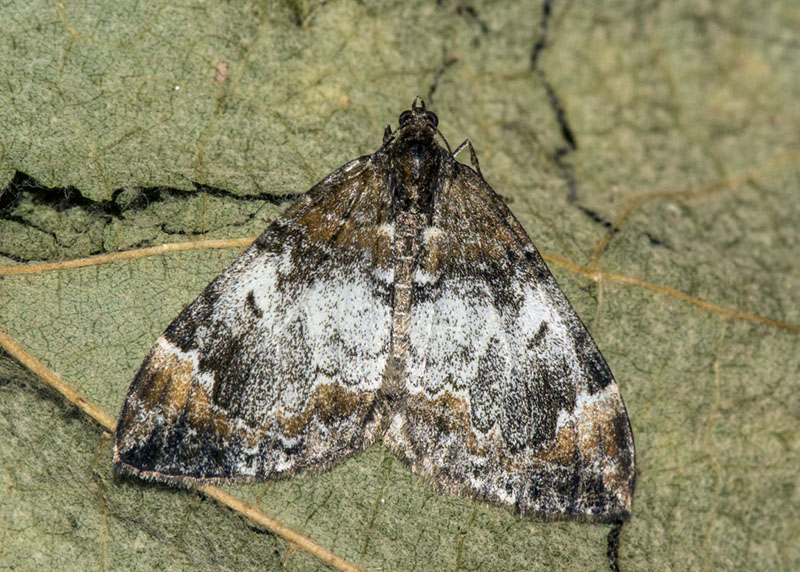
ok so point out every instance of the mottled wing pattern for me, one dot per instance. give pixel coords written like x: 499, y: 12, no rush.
x: 274, y: 368
x: 508, y: 398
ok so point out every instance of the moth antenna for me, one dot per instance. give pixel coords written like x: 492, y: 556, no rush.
x: 446, y: 144
x: 473, y: 157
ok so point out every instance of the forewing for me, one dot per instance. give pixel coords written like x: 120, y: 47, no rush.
x: 274, y: 367
x: 508, y: 399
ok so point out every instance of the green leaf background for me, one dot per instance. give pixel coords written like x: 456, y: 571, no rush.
x: 662, y: 97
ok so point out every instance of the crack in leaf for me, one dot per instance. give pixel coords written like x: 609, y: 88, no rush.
x: 636, y: 201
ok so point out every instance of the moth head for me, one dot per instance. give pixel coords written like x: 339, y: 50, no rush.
x: 418, y: 115
x: 416, y: 134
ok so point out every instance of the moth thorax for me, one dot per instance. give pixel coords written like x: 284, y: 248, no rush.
x: 416, y: 171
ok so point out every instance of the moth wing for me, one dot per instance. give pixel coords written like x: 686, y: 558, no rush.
x: 274, y: 368
x: 508, y: 397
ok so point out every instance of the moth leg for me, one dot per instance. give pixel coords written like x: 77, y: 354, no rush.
x: 387, y: 134
x: 473, y: 157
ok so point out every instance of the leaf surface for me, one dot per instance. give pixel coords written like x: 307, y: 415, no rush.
x: 657, y: 144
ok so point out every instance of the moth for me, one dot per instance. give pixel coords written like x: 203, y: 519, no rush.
x: 398, y: 300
